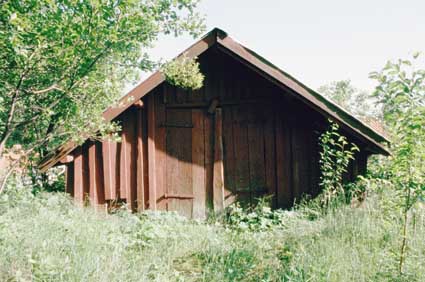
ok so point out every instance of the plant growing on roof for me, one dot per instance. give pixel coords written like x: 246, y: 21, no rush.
x: 183, y: 72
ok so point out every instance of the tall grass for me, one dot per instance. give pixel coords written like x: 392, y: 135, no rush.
x: 47, y: 238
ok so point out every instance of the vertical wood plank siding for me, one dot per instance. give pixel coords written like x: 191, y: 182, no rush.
x: 159, y: 146
x: 110, y: 171
x: 237, y: 138
x: 142, y: 161
x: 97, y: 189
x: 69, y: 176
x: 198, y: 164
x: 218, y: 169
x: 78, y: 175
x: 152, y: 186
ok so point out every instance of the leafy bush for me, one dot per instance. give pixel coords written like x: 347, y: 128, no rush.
x: 184, y: 73
x: 258, y: 218
x: 335, y: 157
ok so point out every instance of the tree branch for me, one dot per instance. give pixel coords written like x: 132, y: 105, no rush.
x: 50, y: 88
x: 7, y: 130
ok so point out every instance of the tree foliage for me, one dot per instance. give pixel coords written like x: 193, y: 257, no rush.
x: 64, y: 61
x: 401, y: 91
x: 356, y: 101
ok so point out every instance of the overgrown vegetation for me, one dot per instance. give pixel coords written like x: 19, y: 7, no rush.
x: 47, y: 238
x: 335, y: 156
x: 44, y: 237
x: 402, y: 93
x: 65, y: 61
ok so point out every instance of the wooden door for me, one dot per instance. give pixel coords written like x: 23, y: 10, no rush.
x: 185, y: 165
x: 214, y: 159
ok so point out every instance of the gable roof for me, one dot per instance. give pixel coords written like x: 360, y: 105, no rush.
x: 260, y: 65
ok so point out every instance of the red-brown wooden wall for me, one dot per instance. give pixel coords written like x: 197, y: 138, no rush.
x: 237, y: 138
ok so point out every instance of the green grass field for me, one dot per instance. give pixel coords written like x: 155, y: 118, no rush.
x: 47, y: 238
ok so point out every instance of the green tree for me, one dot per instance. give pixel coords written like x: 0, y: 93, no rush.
x: 64, y: 61
x: 401, y: 92
x: 356, y: 101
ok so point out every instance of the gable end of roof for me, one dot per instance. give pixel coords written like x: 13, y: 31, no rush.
x: 256, y: 62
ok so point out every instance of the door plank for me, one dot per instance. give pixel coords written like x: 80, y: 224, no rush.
x: 228, y: 149
x: 218, y: 174
x: 179, y: 160
x: 240, y: 135
x: 198, y: 165
x: 256, y: 155
x: 209, y: 159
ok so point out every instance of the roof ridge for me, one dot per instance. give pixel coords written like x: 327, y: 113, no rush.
x: 220, y: 37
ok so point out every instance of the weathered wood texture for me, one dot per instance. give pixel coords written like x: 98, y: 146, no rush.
x: 218, y: 168
x: 236, y: 139
x: 142, y: 176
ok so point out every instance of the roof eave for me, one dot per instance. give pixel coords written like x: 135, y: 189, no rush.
x: 256, y: 62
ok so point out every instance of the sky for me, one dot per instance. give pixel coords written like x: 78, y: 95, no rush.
x: 317, y: 41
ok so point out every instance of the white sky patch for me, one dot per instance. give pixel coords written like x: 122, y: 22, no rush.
x: 317, y: 42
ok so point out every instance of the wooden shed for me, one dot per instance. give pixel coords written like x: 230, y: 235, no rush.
x: 251, y: 131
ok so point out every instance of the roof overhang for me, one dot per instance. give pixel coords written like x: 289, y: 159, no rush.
x: 252, y: 60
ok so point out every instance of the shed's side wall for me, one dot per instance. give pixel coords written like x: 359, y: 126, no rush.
x: 107, y: 172
x: 237, y: 138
